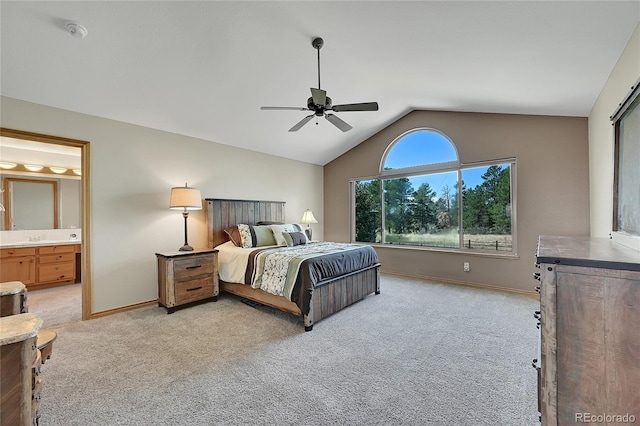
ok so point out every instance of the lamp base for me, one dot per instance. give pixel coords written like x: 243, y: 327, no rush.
x: 186, y: 247
x: 308, y: 232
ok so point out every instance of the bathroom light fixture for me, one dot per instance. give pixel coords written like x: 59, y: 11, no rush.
x: 7, y: 165
x: 33, y: 167
x: 76, y: 30
x: 77, y: 171
x: 57, y: 170
x: 308, y: 218
x: 186, y: 198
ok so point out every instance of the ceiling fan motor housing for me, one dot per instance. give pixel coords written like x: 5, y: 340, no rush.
x: 319, y: 109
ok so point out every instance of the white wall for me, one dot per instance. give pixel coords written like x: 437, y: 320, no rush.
x: 70, y: 203
x: 601, y: 137
x: 132, y: 171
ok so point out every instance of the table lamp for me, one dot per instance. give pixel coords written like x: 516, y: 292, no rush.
x: 307, y: 218
x: 183, y: 197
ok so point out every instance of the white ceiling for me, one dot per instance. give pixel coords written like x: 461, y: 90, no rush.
x: 203, y: 69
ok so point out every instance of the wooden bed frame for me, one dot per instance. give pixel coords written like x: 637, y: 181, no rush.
x: 327, y: 298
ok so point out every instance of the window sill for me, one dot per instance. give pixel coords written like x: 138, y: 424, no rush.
x: 465, y: 252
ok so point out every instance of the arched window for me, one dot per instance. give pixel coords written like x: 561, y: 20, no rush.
x: 425, y: 197
x: 420, y: 148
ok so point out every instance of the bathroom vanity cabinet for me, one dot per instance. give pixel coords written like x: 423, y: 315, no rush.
x: 39, y: 266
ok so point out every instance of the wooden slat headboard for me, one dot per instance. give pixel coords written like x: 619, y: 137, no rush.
x: 224, y: 213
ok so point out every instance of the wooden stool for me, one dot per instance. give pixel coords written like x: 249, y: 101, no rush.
x: 45, y: 342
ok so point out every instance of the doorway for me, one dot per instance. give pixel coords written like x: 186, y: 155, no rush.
x: 84, y: 172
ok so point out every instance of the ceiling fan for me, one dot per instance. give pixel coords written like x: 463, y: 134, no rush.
x: 319, y: 103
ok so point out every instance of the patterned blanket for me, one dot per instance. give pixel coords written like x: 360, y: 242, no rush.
x: 293, y: 272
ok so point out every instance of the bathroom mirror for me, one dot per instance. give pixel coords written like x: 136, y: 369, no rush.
x: 30, y: 204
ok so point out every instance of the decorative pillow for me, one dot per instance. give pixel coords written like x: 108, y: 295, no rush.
x: 264, y: 236
x: 255, y: 236
x: 268, y: 222
x: 295, y: 238
x: 245, y: 236
x: 301, y: 228
x: 234, y: 235
x: 279, y: 229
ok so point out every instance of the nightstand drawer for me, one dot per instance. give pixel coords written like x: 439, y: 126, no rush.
x: 186, y: 269
x: 199, y: 289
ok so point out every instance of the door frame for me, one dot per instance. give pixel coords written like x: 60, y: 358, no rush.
x: 85, y: 155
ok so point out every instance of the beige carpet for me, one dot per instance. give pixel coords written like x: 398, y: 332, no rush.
x: 56, y: 305
x: 417, y: 354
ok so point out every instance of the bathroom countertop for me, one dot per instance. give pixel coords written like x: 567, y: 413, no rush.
x: 41, y: 243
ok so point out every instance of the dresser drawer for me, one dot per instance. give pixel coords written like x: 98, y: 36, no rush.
x: 55, y: 258
x: 198, y: 289
x: 56, y: 272
x: 187, y: 269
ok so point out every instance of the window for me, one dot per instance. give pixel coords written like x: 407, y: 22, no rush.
x: 423, y: 191
x: 626, y: 203
x: 368, y: 214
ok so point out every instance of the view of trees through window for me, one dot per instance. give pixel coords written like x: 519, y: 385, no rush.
x: 424, y: 210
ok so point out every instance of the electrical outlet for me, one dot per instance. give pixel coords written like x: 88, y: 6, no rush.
x: 465, y: 267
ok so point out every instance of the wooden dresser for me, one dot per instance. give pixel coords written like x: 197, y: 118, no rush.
x: 186, y: 277
x: 20, y: 362
x: 589, y: 318
x: 13, y: 298
x: 39, y: 266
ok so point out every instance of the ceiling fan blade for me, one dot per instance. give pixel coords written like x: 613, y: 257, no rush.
x: 274, y: 108
x: 319, y: 96
x: 365, y: 106
x: 301, y: 123
x: 338, y: 122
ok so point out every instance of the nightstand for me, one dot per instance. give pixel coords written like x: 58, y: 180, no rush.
x: 187, y: 277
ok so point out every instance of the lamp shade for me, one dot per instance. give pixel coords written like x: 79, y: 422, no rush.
x: 307, y: 217
x: 183, y: 197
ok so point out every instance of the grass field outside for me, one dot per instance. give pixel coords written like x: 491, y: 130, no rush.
x: 450, y: 239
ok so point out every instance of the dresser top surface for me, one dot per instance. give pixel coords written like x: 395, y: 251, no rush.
x: 16, y: 328
x: 11, y: 287
x: 588, y: 252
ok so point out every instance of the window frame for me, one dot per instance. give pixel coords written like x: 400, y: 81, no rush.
x: 445, y: 167
x: 631, y: 99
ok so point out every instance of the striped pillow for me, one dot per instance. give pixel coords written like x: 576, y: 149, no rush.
x: 295, y: 238
x: 255, y: 236
x: 278, y: 230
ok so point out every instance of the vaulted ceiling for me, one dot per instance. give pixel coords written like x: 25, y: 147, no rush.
x: 205, y: 68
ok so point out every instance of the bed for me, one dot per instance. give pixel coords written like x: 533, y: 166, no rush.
x: 318, y: 291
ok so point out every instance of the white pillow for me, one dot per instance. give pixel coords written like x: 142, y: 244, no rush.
x: 279, y: 229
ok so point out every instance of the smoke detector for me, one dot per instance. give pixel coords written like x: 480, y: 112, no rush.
x: 76, y: 30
